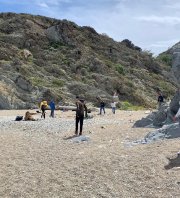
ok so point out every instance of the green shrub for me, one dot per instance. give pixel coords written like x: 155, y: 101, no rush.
x: 37, y: 81
x: 166, y: 58
x: 58, y: 83
x: 56, y: 45
x: 120, y: 69
x: 125, y: 105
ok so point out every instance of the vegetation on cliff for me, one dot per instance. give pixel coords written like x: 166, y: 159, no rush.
x: 42, y: 57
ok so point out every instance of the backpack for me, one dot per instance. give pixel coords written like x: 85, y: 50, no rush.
x: 18, y: 118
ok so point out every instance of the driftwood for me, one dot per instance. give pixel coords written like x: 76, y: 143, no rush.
x: 64, y: 108
x: 60, y: 108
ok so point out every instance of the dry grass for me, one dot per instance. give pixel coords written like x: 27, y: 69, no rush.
x: 37, y: 164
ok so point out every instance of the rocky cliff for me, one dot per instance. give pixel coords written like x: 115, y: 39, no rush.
x: 45, y: 58
x: 172, y: 58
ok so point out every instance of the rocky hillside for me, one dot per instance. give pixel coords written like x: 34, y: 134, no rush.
x: 46, y: 58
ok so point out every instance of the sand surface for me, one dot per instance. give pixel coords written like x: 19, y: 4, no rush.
x: 39, y: 159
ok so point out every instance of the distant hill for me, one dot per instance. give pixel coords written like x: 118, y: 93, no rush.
x: 47, y: 58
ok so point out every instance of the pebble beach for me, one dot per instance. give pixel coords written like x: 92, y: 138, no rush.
x: 41, y: 159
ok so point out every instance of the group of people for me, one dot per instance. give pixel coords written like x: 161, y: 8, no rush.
x: 44, y: 106
x: 113, y: 104
x: 81, y: 110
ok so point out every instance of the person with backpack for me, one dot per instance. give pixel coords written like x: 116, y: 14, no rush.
x: 43, y: 106
x: 80, y: 108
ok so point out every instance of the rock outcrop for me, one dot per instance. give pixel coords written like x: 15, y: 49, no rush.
x: 163, y: 116
x: 176, y: 65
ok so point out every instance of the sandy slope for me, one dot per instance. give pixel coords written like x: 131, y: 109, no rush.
x: 38, y: 160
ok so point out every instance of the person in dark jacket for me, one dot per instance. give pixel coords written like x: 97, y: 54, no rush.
x: 160, y: 99
x: 80, y: 108
x: 102, y: 105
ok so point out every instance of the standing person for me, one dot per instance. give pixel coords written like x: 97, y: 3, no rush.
x: 160, y: 99
x: 80, y: 107
x: 43, y: 106
x: 102, y: 107
x: 52, y: 107
x: 113, y: 106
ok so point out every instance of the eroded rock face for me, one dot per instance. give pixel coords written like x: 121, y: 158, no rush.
x: 176, y: 65
x: 174, y: 105
x: 23, y: 83
x: 4, y: 103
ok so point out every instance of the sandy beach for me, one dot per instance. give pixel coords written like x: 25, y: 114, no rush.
x: 39, y: 159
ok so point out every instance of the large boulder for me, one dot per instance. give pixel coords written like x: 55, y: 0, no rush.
x: 174, y: 105
x: 166, y: 132
x: 62, y: 33
x: 163, y: 116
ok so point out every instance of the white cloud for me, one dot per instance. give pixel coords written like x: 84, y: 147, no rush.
x: 170, y: 20
x: 48, y: 3
x: 162, y: 44
x: 44, y: 5
x: 173, y: 5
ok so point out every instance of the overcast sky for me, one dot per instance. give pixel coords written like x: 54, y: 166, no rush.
x: 151, y: 24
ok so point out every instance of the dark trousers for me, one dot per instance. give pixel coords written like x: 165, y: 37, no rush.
x: 102, y: 108
x: 43, y: 113
x: 52, y: 113
x: 114, y: 109
x: 79, y: 119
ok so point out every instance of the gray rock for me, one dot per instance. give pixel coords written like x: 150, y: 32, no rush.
x: 166, y: 132
x: 174, y: 105
x: 176, y: 65
x: 60, y: 33
x: 4, y: 103
x: 80, y: 139
x: 163, y: 116
x: 23, y: 83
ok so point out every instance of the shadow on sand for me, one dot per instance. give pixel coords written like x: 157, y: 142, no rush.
x: 173, y: 163
x: 70, y: 137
